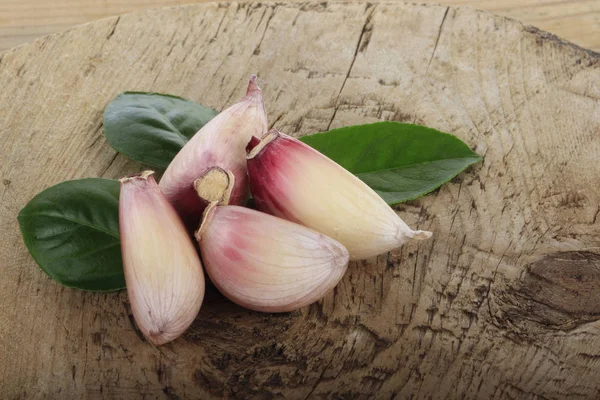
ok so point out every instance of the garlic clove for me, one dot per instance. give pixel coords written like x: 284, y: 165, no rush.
x: 289, y: 179
x: 265, y: 263
x: 165, y: 281
x: 221, y: 142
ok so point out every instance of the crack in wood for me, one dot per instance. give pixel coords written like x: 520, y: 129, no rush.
x: 372, y: 8
x: 97, y: 135
x: 112, y: 31
x: 437, y: 40
x: 279, y: 117
x: 589, y: 96
x: 257, y: 49
x: 109, y: 164
x: 319, y: 379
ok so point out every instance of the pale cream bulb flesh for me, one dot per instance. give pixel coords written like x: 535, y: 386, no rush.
x: 265, y: 263
x: 293, y: 181
x: 165, y: 281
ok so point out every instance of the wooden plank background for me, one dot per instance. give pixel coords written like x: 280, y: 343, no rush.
x: 502, y: 303
x: 24, y: 20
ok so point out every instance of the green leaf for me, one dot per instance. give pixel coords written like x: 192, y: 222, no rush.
x: 151, y: 127
x: 72, y: 232
x: 399, y: 161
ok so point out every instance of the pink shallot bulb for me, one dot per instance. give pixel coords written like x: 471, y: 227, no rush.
x: 220, y: 143
x: 291, y: 180
x: 164, y: 277
x: 265, y: 263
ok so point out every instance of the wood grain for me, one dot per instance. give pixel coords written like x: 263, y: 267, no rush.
x: 23, y: 20
x: 501, y: 303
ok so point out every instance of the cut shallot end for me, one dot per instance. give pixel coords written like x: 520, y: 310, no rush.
x: 215, y: 185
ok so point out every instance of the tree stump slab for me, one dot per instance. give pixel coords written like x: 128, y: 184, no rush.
x: 503, y: 302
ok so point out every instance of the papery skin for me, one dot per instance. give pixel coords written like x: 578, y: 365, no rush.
x: 165, y: 281
x: 291, y: 180
x: 265, y: 263
x: 221, y: 142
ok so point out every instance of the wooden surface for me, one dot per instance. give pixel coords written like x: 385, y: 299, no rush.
x: 23, y: 20
x: 503, y: 302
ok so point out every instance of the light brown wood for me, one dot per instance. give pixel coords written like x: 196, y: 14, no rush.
x: 23, y: 20
x: 501, y: 303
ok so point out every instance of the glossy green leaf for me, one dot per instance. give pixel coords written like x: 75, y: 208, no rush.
x: 72, y: 232
x: 151, y: 127
x: 399, y: 161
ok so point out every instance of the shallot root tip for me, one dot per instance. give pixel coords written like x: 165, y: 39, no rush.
x: 252, y: 85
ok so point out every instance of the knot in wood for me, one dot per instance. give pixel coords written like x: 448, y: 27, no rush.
x: 557, y: 292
